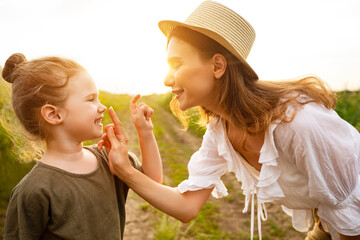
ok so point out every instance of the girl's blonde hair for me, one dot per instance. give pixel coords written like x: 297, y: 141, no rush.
x: 252, y: 104
x: 36, y: 83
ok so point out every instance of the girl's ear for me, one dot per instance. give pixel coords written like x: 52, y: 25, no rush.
x: 51, y: 114
x: 219, y: 65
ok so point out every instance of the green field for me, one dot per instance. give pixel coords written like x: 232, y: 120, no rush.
x: 215, y: 220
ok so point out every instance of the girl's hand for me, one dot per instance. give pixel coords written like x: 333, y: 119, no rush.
x: 116, y: 143
x: 141, y: 115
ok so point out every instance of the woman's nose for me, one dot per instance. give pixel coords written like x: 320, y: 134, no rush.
x: 169, y: 80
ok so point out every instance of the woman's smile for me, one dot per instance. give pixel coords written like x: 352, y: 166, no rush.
x: 178, y: 93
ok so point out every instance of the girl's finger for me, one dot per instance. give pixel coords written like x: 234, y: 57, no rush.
x: 146, y: 111
x: 133, y: 103
x: 140, y: 105
x: 149, y: 113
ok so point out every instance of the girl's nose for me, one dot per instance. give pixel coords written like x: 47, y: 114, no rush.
x: 102, y: 108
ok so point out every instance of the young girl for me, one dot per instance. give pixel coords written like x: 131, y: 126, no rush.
x: 70, y: 193
x: 283, y: 140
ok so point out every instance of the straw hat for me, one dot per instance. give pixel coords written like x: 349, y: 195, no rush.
x: 222, y: 25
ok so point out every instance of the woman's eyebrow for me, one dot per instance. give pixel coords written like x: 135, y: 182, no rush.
x: 173, y: 59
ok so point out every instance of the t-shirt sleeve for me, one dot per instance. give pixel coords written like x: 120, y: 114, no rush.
x: 27, y: 213
x: 135, y: 161
x: 206, y: 168
x: 327, y: 150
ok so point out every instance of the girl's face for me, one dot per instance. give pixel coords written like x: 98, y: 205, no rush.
x: 190, y: 77
x: 82, y: 109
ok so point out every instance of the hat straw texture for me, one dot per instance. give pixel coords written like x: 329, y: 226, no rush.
x: 222, y: 25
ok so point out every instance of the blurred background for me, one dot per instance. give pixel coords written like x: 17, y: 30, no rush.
x: 121, y: 46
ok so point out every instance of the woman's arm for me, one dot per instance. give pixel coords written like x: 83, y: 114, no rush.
x: 343, y: 237
x: 183, y: 207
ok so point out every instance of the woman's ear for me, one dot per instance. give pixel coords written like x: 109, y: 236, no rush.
x: 50, y: 114
x: 219, y: 65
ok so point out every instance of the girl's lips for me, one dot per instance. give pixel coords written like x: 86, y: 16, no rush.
x: 98, y: 122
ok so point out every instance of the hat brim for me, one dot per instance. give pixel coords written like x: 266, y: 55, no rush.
x: 166, y: 27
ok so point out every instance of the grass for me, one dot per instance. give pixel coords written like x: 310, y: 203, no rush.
x: 348, y: 107
x: 12, y: 170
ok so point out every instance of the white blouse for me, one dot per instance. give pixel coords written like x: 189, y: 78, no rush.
x: 311, y: 162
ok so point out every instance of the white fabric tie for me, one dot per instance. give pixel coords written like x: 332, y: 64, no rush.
x: 261, y: 212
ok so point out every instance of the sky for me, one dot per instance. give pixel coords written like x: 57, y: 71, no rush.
x: 120, y: 44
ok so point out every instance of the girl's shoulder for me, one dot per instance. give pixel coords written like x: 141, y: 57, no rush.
x: 33, y: 183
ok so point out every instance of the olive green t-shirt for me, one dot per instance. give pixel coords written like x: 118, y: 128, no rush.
x: 50, y: 203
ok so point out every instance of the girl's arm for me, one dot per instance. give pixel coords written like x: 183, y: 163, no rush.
x: 181, y: 206
x: 151, y: 160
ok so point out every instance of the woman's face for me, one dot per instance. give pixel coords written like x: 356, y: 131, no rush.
x: 190, y: 77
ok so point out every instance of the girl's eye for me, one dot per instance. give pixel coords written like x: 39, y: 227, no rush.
x: 91, y: 99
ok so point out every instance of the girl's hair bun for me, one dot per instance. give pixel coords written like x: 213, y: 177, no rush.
x: 11, y: 64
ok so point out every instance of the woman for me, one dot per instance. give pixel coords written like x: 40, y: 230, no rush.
x: 282, y: 140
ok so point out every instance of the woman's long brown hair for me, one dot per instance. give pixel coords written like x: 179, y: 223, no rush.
x: 252, y: 104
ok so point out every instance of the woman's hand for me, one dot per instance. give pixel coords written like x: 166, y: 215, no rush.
x: 141, y: 115
x: 116, y: 144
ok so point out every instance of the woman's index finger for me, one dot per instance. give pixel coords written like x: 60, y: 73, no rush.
x: 119, y: 131
x: 116, y: 121
x: 113, y: 116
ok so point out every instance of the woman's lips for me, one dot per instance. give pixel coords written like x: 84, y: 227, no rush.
x: 178, y: 93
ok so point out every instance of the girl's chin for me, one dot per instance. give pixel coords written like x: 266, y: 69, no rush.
x: 99, y: 135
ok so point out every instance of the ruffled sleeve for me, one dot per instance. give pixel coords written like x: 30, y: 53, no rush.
x: 327, y: 150
x: 206, y: 168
